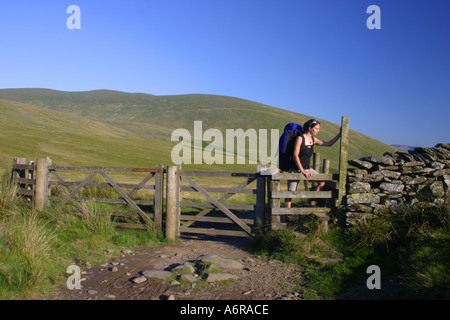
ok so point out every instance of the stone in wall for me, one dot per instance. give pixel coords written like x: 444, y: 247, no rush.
x: 419, y: 177
x: 359, y: 187
x: 361, y: 198
x: 392, y: 187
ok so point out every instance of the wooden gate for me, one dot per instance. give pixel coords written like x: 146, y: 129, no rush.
x: 217, y: 217
x: 125, y: 192
x: 43, y: 183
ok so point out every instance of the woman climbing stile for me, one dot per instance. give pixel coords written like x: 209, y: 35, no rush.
x: 303, y: 150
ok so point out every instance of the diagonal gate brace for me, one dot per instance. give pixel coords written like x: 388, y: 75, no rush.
x: 220, y: 206
x: 141, y: 213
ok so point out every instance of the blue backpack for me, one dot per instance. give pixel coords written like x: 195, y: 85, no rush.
x: 286, y: 145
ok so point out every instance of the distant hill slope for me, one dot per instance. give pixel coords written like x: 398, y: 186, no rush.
x: 149, y: 116
x: 31, y: 132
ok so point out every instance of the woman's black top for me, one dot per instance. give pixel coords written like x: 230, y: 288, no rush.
x: 306, y: 151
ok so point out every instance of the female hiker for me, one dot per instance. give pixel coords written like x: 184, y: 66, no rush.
x: 303, y: 150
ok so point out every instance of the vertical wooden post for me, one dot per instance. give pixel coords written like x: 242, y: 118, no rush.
x: 260, y: 218
x: 316, y: 166
x: 316, y: 161
x: 171, y: 202
x: 326, y: 166
x: 178, y: 181
x: 343, y: 155
x: 159, y: 190
x: 275, y: 220
x: 30, y: 175
x: 42, y: 177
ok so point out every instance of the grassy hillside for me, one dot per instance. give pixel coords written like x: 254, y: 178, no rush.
x: 32, y: 132
x: 136, y: 121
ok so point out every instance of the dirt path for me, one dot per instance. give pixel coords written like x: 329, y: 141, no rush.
x: 259, y: 277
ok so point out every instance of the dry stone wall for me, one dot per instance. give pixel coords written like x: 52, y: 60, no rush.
x: 420, y: 177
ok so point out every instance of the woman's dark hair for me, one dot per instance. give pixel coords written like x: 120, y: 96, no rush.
x: 310, y: 124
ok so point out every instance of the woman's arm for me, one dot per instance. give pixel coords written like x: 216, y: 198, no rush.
x: 328, y: 143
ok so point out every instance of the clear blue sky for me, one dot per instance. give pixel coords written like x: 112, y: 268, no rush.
x: 315, y: 57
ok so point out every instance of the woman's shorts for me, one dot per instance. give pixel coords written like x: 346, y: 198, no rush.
x: 293, y: 184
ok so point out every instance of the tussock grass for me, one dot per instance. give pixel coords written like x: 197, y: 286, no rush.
x: 36, y: 248
x: 409, y: 244
x: 8, y: 196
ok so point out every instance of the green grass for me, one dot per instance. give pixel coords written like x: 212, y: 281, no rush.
x: 36, y: 248
x: 410, y: 247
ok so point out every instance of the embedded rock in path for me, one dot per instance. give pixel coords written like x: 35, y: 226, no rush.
x: 222, y: 262
x: 189, y: 277
x: 187, y: 266
x: 139, y: 279
x: 157, y: 274
x: 213, y: 277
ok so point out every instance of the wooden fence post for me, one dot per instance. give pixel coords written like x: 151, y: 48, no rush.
x: 159, y: 190
x: 178, y: 181
x: 41, y: 188
x: 260, y: 216
x: 326, y: 166
x: 30, y: 175
x: 343, y: 155
x: 171, y: 202
x: 275, y: 220
x: 316, y: 161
